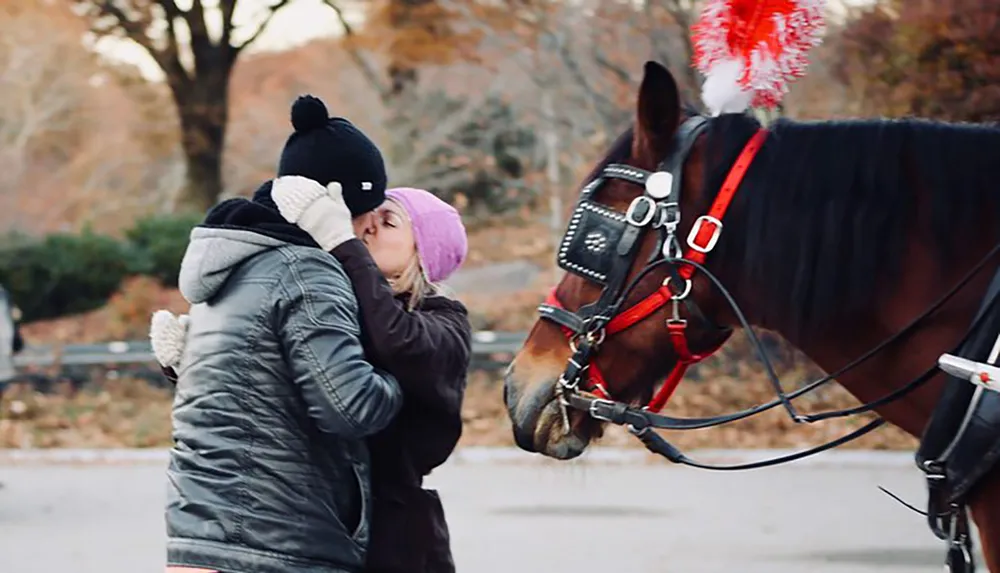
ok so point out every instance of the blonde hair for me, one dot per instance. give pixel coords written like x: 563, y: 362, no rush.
x: 413, y: 281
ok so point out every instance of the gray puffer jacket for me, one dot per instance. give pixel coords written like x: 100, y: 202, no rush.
x: 269, y: 471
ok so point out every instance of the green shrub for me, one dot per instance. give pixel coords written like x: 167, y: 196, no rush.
x: 159, y: 243
x: 63, y: 274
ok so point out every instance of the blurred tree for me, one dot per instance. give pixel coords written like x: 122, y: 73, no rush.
x: 938, y: 59
x: 421, y: 33
x: 410, y: 34
x: 197, y: 64
x: 71, y: 149
x: 442, y: 122
x: 482, y: 163
x: 44, y: 97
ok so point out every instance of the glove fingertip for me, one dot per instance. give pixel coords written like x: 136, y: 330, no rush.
x: 335, y: 190
x: 292, y: 194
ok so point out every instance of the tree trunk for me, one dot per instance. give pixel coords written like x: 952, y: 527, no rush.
x: 404, y: 18
x: 204, y: 117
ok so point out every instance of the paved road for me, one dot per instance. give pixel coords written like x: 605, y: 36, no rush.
x: 575, y: 518
x: 495, y: 278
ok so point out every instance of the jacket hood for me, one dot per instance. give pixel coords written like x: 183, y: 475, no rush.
x: 213, y: 254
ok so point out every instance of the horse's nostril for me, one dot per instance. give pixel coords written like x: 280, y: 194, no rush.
x: 510, y: 393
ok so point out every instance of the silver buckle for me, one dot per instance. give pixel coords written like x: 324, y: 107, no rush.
x: 696, y: 227
x: 593, y: 409
x: 669, y: 216
x: 672, y: 248
x: 650, y: 213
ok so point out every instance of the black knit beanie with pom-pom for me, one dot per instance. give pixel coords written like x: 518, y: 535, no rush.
x: 328, y: 149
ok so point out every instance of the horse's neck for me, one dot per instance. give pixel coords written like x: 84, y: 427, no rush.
x: 895, y: 366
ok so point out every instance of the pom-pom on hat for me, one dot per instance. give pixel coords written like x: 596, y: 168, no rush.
x: 326, y: 149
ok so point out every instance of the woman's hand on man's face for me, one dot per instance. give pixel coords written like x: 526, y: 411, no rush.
x: 317, y: 210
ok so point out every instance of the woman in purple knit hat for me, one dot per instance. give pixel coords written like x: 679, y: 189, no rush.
x: 413, y: 330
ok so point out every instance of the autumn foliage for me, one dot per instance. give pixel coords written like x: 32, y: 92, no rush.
x: 937, y: 59
x: 500, y: 107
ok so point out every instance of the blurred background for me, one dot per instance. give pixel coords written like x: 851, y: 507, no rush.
x: 122, y: 121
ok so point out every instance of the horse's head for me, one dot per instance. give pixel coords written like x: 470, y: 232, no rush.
x: 610, y: 327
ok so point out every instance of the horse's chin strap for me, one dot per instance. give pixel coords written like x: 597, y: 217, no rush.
x: 572, y: 327
x: 959, y: 558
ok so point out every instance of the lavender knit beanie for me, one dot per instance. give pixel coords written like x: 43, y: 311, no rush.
x: 437, y: 229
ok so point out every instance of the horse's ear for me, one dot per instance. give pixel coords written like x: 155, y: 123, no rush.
x: 658, y: 112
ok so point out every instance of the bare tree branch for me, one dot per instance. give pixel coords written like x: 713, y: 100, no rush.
x: 366, y: 68
x: 601, y: 104
x: 133, y: 29
x: 202, y: 47
x: 432, y: 141
x: 228, y: 9
x: 108, y: 17
x: 270, y: 10
x: 683, y: 14
x: 602, y: 60
x: 41, y: 94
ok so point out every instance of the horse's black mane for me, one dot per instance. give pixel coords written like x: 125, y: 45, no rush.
x: 822, y: 217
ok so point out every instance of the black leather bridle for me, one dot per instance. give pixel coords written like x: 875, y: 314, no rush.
x: 601, y: 245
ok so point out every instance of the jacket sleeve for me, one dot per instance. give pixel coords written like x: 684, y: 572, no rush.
x: 418, y: 340
x: 344, y: 394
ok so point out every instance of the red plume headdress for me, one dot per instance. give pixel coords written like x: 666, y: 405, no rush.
x: 750, y: 50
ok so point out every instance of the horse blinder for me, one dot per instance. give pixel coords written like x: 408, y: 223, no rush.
x: 600, y: 245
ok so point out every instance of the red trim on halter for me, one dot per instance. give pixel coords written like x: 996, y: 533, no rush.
x: 639, y: 310
x: 701, y: 241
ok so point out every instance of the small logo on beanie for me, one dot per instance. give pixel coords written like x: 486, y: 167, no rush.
x: 366, y: 185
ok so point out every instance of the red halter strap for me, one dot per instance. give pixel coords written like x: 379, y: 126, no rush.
x: 701, y: 240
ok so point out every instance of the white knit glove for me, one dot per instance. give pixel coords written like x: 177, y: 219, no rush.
x: 319, y: 211
x: 168, y: 334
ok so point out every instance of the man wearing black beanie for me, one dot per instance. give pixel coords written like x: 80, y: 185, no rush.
x: 274, y: 396
x: 324, y: 149
x: 328, y: 149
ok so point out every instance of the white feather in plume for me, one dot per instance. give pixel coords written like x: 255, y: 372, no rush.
x: 721, y: 91
x: 750, y: 50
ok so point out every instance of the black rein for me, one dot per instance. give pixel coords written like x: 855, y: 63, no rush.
x: 640, y: 421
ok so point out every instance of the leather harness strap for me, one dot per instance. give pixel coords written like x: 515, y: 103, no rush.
x: 701, y: 240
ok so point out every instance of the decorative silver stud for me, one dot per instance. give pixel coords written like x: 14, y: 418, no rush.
x: 595, y: 242
x: 659, y: 184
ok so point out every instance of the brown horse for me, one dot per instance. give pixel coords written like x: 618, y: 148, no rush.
x: 839, y: 235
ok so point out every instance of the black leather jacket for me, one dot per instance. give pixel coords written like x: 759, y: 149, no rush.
x: 273, y: 403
